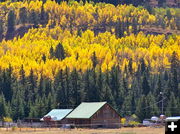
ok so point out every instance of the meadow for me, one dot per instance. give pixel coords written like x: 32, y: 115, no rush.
x: 144, y: 130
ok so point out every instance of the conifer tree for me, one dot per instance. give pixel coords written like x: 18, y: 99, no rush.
x: 172, y: 106
x: 33, y: 19
x: 23, y: 15
x: 59, y: 52
x: 145, y: 85
x: 1, y: 29
x: 3, y: 107
x: 94, y: 60
x: 11, y: 22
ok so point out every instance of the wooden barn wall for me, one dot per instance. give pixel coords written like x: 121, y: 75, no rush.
x: 106, y: 117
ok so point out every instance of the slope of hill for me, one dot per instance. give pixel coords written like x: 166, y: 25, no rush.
x: 58, y: 55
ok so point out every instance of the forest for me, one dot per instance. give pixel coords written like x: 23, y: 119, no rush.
x: 57, y: 54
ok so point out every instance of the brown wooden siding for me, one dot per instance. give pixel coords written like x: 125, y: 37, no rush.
x: 106, y: 117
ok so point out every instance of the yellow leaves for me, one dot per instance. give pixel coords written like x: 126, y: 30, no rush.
x: 7, y: 119
x: 151, y: 19
x: 155, y: 50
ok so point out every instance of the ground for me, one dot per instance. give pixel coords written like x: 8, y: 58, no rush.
x: 143, y: 130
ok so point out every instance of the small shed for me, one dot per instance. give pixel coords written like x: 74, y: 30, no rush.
x: 56, y: 116
x: 94, y: 114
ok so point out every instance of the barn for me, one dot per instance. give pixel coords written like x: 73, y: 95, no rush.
x: 94, y: 114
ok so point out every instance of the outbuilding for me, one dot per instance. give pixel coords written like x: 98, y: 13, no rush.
x: 56, y: 117
x: 94, y: 114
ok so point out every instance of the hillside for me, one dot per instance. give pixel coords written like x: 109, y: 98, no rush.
x: 58, y: 55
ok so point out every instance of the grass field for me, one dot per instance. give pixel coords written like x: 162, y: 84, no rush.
x: 90, y: 131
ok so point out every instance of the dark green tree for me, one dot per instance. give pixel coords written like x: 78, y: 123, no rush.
x: 23, y: 15
x: 11, y: 21
x: 60, y: 52
x: 94, y: 60
x: 145, y: 85
x: 172, y: 106
x: 34, y: 19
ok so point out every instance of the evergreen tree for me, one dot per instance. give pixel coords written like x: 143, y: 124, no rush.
x: 142, y: 108
x: 3, y: 107
x: 127, y: 106
x: 59, y: 52
x: 153, y: 108
x: 68, y: 88
x: 23, y: 15
x: 94, y: 60
x: 61, y: 90
x: 7, y: 83
x: 31, y: 89
x: 22, y: 75
x: 175, y: 64
x: 43, y: 16
x: 11, y: 21
x: 17, y: 103
x: 44, y: 58
x: 33, y: 19
x: 51, y: 51
x: 1, y: 29
x: 145, y: 85
x: 172, y: 106
x: 130, y: 66
x: 76, y: 87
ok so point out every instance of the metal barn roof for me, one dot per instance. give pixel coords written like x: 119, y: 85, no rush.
x: 173, y: 118
x: 58, y: 114
x: 85, y: 110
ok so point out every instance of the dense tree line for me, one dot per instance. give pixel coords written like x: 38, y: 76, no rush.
x: 130, y: 93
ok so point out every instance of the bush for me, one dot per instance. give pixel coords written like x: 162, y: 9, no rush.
x: 133, y: 123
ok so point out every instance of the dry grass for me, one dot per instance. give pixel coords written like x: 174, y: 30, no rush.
x: 89, y: 131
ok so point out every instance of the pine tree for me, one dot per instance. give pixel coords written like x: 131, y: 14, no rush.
x: 145, y: 85
x: 78, y: 94
x: 23, y: 15
x: 172, y: 106
x: 175, y: 64
x: 31, y: 90
x: 7, y: 83
x: 127, y: 106
x: 3, y: 107
x: 142, y: 108
x: 44, y: 58
x: 43, y: 16
x: 130, y: 66
x: 61, y: 90
x: 51, y: 51
x: 94, y: 60
x: 17, y: 102
x: 68, y: 88
x: 59, y: 52
x: 153, y: 108
x: 33, y: 19
x: 11, y: 22
x: 1, y: 29
x: 22, y: 75
x: 100, y: 88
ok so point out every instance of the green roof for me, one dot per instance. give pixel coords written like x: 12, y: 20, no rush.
x: 85, y: 110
